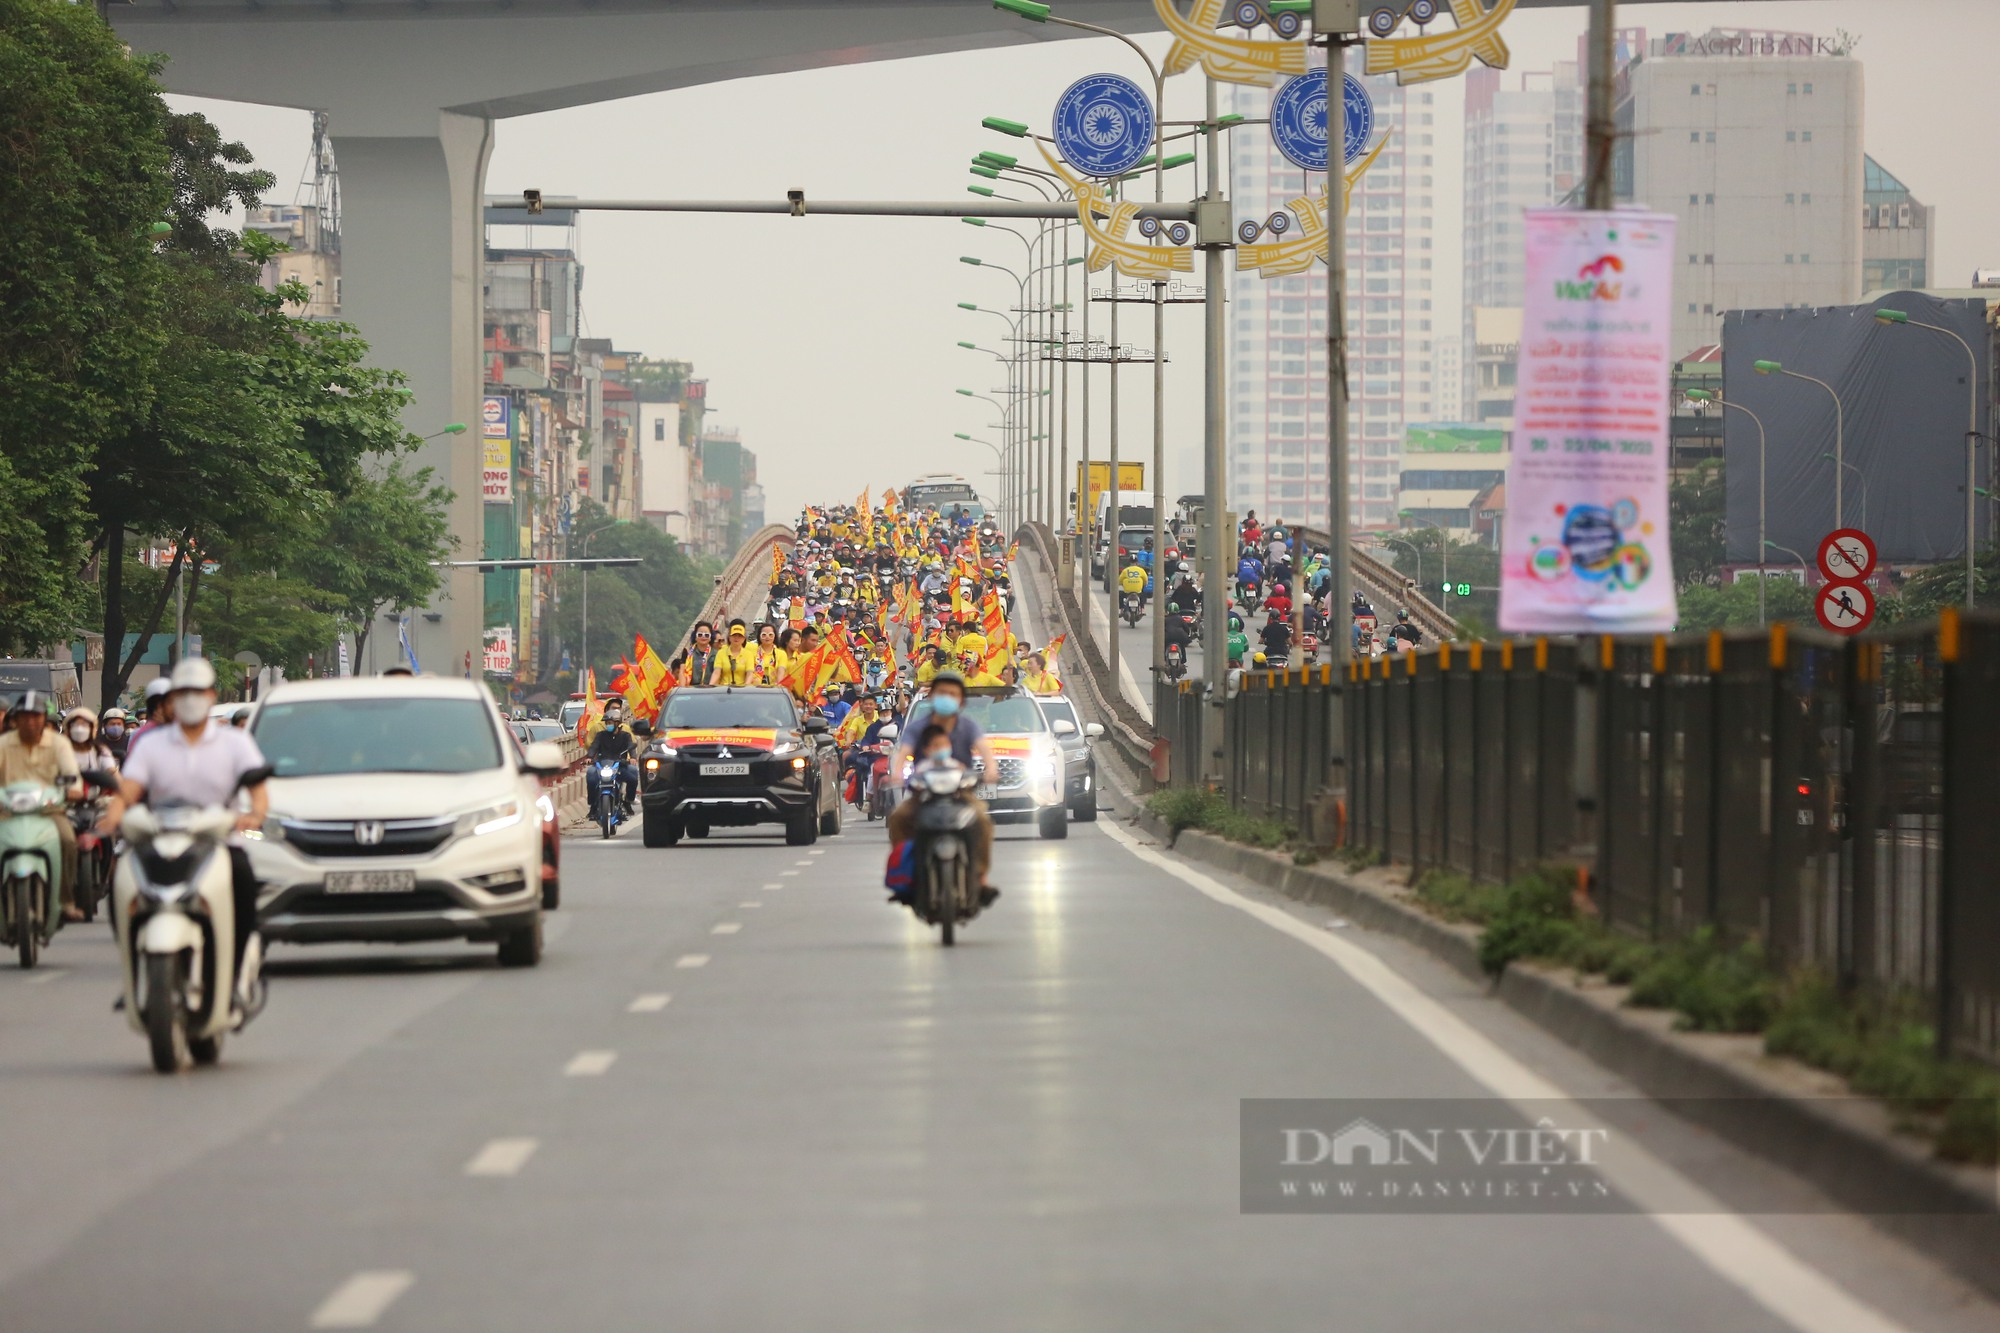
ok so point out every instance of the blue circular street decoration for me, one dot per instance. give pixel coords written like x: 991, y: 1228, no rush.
x: 1299, y: 116
x: 1103, y: 125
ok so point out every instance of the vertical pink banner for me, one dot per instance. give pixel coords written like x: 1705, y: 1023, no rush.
x: 1585, y: 541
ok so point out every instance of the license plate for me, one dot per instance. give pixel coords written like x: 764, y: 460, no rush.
x: 725, y: 770
x: 987, y: 791
x: 372, y: 881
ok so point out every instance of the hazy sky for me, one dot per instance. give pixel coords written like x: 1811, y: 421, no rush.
x: 831, y: 342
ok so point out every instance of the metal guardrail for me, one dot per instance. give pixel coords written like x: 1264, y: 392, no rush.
x: 1123, y: 726
x: 1387, y: 588
x: 1837, y: 800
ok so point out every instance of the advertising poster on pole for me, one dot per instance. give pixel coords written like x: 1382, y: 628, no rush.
x: 1585, y: 544
x: 496, y: 470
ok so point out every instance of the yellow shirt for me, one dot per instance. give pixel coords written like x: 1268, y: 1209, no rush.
x: 925, y: 670
x: 733, y: 666
x: 1133, y: 578
x: 853, y: 727
x: 982, y: 678
x: 1040, y: 682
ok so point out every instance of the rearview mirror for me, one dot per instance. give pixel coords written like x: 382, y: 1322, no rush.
x: 1064, y: 727
x: 889, y: 733
x: 256, y: 777
x: 543, y: 759
x: 642, y: 728
x: 817, y: 726
x: 1092, y: 730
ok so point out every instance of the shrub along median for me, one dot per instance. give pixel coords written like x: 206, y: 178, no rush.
x: 1883, y: 1047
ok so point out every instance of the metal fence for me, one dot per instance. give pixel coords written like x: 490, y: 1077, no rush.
x: 1836, y: 799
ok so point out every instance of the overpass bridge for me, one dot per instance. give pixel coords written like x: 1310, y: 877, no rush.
x: 413, y: 89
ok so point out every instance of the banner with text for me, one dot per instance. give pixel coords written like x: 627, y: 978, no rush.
x: 1585, y: 544
x: 496, y: 471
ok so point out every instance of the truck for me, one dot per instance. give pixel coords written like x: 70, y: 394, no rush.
x: 1131, y: 477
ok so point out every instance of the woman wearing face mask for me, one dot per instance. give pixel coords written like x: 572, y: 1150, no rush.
x: 91, y: 751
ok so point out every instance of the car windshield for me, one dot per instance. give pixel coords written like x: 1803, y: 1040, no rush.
x: 688, y: 709
x: 1059, y: 710
x: 1135, y: 539
x: 1013, y: 714
x: 399, y: 734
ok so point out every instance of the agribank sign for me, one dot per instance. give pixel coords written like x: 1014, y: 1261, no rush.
x: 1745, y: 42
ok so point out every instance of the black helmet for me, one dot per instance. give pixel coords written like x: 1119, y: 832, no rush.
x: 30, y: 701
x: 1402, y: 615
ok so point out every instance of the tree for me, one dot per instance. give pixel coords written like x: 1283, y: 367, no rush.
x: 1705, y: 606
x: 377, y: 546
x: 1933, y: 588
x: 1698, y: 504
x: 1472, y: 564
x: 83, y: 178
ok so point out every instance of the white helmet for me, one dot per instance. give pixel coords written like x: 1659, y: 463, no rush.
x: 192, y: 673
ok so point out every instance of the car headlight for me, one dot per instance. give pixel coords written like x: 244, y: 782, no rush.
x: 668, y: 752
x: 787, y: 747
x: 492, y: 819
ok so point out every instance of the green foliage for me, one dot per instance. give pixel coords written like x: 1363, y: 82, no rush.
x: 1466, y: 562
x: 83, y: 176
x: 1931, y: 589
x: 1698, y: 506
x: 1197, y: 808
x: 1457, y: 897
x: 659, y: 598
x: 1715, y: 987
x: 1359, y: 858
x: 1734, y: 605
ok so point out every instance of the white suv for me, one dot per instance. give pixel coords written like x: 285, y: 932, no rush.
x: 401, y: 810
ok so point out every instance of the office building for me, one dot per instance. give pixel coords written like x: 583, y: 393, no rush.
x: 1898, y: 245
x: 1277, y: 420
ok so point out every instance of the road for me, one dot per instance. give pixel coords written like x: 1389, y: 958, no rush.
x: 743, y: 1093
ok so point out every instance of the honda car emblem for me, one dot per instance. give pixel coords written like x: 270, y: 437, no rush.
x: 368, y: 833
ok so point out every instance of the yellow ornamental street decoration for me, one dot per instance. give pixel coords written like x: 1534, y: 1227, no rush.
x: 1230, y: 59
x: 1104, y: 226
x: 1445, y: 54
x: 1292, y: 255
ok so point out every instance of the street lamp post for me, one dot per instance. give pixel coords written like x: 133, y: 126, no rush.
x: 1839, y: 431
x: 1859, y: 476
x: 1971, y: 440
x: 1710, y: 396
x: 1444, y: 554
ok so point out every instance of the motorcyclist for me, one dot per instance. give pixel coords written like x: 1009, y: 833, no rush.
x: 1277, y: 637
x: 1249, y: 569
x: 1238, y: 642
x: 1410, y: 635
x: 851, y: 735
x: 115, y: 731
x: 202, y: 762
x: 945, y: 710
x: 1279, y: 603
x: 616, y: 744
x: 156, y: 711
x: 32, y: 751
x: 92, y: 753
x: 1134, y: 580
x: 1184, y: 593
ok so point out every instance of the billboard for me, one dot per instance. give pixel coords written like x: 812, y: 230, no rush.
x: 496, y: 464
x: 1585, y: 547
x: 1455, y: 440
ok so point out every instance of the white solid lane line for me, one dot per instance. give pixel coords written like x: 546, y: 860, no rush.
x: 726, y: 927
x: 1735, y: 1250
x: 649, y: 1004
x: 361, y: 1300
x: 502, y: 1157
x: 692, y: 960
x: 589, y: 1064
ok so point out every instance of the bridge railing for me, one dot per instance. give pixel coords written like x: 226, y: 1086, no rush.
x: 1837, y: 800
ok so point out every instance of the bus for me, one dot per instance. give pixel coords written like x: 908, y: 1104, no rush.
x: 944, y: 492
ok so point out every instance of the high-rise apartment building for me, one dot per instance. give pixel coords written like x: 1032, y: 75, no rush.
x: 1752, y: 139
x: 1277, y: 421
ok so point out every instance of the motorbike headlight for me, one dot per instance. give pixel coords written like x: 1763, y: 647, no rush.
x: 493, y: 818
x: 24, y: 802
x: 941, y: 781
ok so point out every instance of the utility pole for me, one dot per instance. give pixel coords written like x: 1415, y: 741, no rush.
x: 1340, y: 553
x: 1214, y: 238
x: 1601, y: 127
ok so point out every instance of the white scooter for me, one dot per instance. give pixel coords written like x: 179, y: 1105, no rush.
x: 176, y: 927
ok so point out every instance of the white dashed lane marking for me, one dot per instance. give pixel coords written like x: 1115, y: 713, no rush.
x: 750, y: 903
x: 589, y: 1064
x: 692, y: 960
x: 502, y: 1157
x: 649, y: 1004
x: 726, y: 927
x: 362, y: 1299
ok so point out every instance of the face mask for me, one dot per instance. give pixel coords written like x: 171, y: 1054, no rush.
x: 114, y: 730
x: 191, y: 710
x: 938, y: 756
x: 81, y: 735
x: 945, y: 705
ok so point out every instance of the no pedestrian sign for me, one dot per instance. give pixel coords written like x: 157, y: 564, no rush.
x: 1845, y: 608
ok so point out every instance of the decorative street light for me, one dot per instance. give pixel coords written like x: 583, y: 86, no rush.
x: 1839, y: 429
x: 1710, y: 396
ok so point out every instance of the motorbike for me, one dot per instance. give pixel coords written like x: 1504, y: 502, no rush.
x: 1309, y: 647
x: 30, y: 867
x: 175, y: 922
x: 1176, y: 661
x: 942, y: 891
x: 1190, y: 621
x: 606, y: 811
x: 1131, y: 606
x: 878, y: 793
x: 1250, y: 594
x: 96, y: 858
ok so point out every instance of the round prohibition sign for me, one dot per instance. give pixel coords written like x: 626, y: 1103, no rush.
x: 1847, y: 555
x: 1845, y: 608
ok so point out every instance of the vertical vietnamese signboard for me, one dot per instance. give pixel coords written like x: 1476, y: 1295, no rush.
x: 496, y: 472
x: 1585, y: 547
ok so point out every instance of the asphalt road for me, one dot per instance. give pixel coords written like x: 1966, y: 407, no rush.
x: 744, y: 1093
